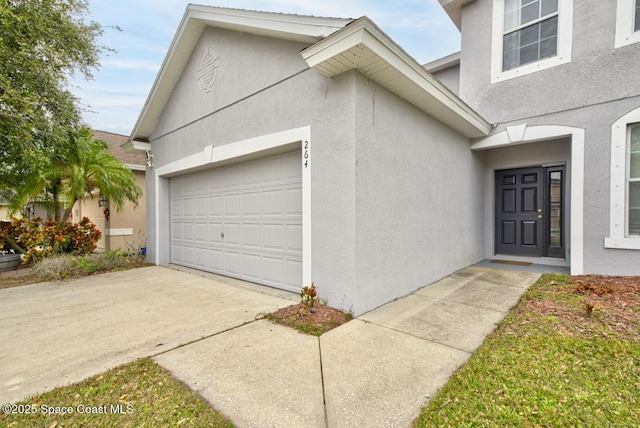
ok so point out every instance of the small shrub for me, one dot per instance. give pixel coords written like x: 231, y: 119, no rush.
x: 69, y: 266
x: 38, y: 239
x: 309, y: 296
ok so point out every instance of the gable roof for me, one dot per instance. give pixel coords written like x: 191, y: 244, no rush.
x: 196, y: 18
x: 337, y: 45
x: 364, y: 47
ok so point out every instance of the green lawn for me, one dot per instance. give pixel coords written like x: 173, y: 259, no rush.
x: 567, y: 355
x: 139, y: 394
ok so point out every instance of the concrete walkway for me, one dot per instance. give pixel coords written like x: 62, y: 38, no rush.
x: 377, y: 370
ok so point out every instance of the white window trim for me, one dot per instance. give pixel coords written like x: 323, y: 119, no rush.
x: 625, y: 13
x: 565, y: 35
x: 618, y: 237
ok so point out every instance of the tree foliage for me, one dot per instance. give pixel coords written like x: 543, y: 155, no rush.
x: 75, y: 169
x: 42, y: 44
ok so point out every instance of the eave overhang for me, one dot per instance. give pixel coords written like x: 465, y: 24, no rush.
x: 362, y: 46
x: 454, y: 10
x: 134, y: 146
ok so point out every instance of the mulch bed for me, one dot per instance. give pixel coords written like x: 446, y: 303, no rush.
x: 604, y: 305
x: 321, y: 316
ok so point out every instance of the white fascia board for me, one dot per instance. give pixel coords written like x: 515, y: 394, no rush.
x: 169, y: 65
x: 133, y: 146
x: 278, y: 25
x: 365, y: 32
x: 134, y: 167
x: 443, y: 63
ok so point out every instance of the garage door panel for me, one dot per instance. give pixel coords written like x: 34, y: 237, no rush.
x: 176, y: 208
x: 293, y: 202
x: 232, y: 205
x: 273, y: 270
x: 251, y: 204
x: 231, y: 234
x: 272, y: 203
x: 201, y: 207
x: 188, y: 255
x: 202, y: 258
x: 250, y: 266
x: 293, y: 238
x: 216, y: 261
x: 232, y: 263
x: 215, y: 233
x: 233, y: 177
x: 273, y: 237
x: 216, y: 206
x: 201, y: 232
x: 243, y: 221
x: 176, y: 253
x: 251, y: 236
x: 176, y: 230
x: 188, y: 207
x: 189, y: 231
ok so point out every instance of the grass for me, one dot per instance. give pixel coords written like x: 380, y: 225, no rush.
x: 139, y: 394
x: 567, y: 355
x: 68, y: 267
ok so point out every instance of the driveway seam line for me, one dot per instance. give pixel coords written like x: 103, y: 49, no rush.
x: 182, y: 345
x: 324, y: 396
x: 417, y: 337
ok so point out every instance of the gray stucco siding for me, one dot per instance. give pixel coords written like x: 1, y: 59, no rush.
x: 597, y: 72
x: 306, y: 98
x: 419, y: 206
x: 450, y: 77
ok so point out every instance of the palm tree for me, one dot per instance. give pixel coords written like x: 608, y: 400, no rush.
x: 75, y: 169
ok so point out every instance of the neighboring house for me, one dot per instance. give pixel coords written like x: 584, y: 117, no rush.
x: 125, y: 230
x: 288, y: 149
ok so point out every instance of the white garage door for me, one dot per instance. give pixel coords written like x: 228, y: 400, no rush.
x: 243, y: 221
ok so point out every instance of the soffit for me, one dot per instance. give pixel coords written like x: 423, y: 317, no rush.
x: 364, y: 47
x: 454, y: 10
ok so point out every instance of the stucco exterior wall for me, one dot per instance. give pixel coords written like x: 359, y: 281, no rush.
x: 450, y: 77
x: 598, y: 86
x: 597, y: 73
x: 125, y: 230
x: 263, y: 86
x: 419, y: 198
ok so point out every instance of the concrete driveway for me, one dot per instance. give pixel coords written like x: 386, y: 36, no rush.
x: 54, y: 334
x: 377, y: 370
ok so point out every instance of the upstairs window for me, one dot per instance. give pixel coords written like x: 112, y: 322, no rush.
x: 530, y: 31
x: 627, y: 23
x: 528, y: 36
x: 633, y: 185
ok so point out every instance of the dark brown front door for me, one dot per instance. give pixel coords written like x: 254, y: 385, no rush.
x: 530, y: 212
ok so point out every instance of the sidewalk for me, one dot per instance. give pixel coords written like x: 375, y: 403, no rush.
x: 377, y: 370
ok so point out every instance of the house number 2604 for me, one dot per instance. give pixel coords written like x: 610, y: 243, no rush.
x: 305, y: 154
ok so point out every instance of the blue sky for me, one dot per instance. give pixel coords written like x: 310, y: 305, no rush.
x: 121, y: 85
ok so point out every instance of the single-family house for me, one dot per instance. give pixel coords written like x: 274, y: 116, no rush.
x: 124, y: 230
x: 285, y: 149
